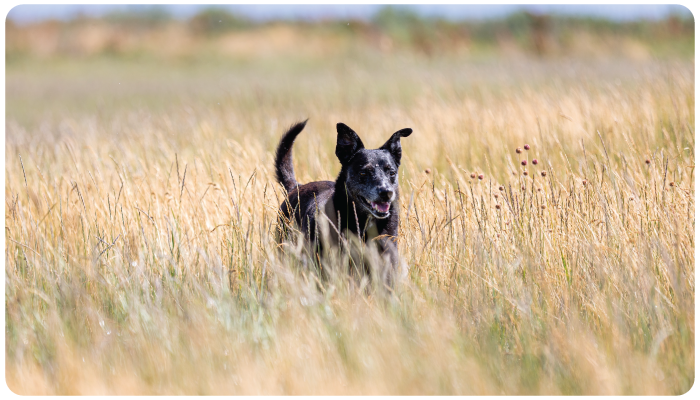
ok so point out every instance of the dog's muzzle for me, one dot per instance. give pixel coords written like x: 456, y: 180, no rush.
x: 379, y: 209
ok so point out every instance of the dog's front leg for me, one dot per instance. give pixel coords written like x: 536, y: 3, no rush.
x: 389, y: 253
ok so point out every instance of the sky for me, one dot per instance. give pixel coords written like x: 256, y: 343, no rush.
x: 23, y: 14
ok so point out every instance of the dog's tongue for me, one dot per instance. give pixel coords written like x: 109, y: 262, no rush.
x: 381, y: 207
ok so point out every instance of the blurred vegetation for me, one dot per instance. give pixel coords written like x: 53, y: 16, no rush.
x: 217, y: 31
x: 150, y: 16
x: 214, y: 20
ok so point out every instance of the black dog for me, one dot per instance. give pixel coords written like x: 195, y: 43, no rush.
x: 364, y: 199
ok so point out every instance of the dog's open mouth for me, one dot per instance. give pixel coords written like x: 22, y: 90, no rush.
x: 378, y: 208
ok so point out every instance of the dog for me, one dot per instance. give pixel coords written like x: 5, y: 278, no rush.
x: 363, y: 201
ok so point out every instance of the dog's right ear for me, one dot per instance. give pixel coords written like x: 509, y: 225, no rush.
x: 348, y: 143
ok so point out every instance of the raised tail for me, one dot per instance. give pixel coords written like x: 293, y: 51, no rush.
x: 284, y: 168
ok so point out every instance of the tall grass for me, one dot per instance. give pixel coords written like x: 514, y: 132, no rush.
x: 141, y: 208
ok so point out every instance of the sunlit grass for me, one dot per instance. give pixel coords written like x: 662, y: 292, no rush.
x: 141, y: 210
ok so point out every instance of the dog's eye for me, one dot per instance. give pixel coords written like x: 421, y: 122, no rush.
x: 392, y: 174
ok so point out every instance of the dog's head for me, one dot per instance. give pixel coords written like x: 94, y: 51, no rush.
x: 371, y: 176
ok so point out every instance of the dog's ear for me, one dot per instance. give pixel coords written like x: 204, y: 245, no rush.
x: 393, y: 145
x: 348, y: 143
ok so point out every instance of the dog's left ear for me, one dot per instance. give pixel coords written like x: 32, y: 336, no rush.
x: 393, y: 145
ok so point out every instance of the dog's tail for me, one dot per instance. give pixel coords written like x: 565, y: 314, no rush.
x: 284, y: 168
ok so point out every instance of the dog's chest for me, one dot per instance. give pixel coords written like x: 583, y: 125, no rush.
x: 371, y: 228
x: 330, y: 219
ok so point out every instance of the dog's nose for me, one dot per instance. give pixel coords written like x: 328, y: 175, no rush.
x: 386, y: 195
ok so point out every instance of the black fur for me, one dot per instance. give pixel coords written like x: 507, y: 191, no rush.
x: 284, y: 168
x: 364, y: 197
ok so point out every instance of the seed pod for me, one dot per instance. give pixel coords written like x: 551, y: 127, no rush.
x: 501, y: 188
x: 523, y: 162
x: 672, y: 184
x: 648, y: 161
x: 481, y: 177
x: 527, y: 147
x: 518, y: 150
x: 473, y: 175
x: 498, y: 206
x: 543, y: 173
x: 525, y: 173
x: 584, y: 182
x: 534, y: 161
x: 427, y: 171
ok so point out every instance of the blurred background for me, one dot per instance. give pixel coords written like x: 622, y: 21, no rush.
x: 71, y: 60
x: 249, y: 30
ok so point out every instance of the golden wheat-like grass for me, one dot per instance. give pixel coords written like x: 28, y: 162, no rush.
x: 141, y: 208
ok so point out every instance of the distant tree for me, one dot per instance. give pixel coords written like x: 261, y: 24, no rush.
x: 216, y: 20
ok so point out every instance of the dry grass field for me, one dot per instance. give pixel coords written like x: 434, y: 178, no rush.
x: 140, y: 211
